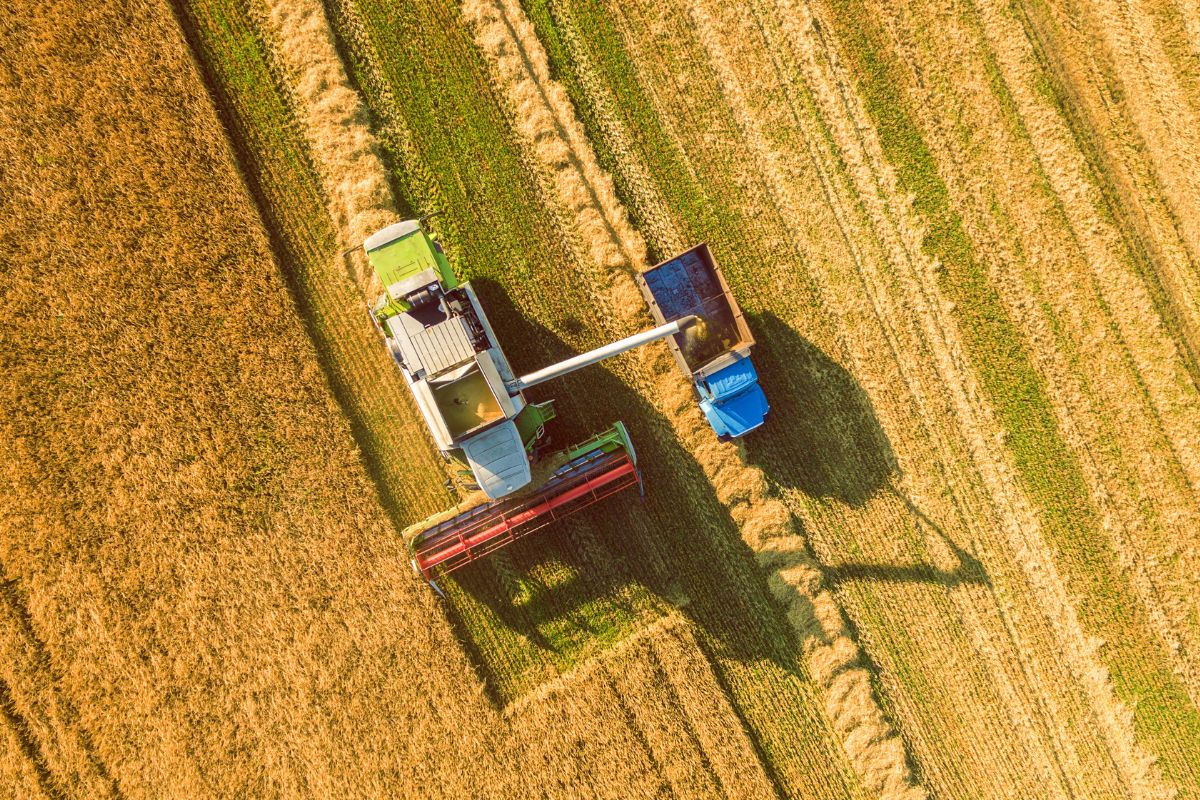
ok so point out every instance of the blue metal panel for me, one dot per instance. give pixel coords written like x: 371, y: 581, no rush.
x: 736, y: 404
x: 731, y: 380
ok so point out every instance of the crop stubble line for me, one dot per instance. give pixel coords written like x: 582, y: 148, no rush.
x: 508, y: 38
x: 1134, y: 758
x: 1169, y: 124
x: 1174, y: 496
x: 1073, y: 88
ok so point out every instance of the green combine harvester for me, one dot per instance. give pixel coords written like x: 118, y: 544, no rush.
x: 476, y: 409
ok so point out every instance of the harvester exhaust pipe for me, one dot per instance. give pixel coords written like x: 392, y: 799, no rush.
x: 601, y: 353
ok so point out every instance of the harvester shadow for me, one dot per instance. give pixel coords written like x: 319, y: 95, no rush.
x: 679, y: 544
x: 832, y: 446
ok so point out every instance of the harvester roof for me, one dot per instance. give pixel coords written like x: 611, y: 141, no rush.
x: 403, y: 253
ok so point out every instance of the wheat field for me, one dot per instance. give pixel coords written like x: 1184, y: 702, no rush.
x: 960, y: 560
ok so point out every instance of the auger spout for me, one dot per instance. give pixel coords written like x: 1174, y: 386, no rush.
x: 601, y: 353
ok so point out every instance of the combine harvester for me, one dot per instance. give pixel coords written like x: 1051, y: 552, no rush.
x: 476, y: 410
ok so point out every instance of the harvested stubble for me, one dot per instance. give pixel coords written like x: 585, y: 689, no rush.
x: 1053, y: 698
x: 1114, y: 382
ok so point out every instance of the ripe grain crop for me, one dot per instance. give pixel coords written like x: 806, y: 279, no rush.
x: 197, y: 549
x: 47, y: 748
x: 968, y: 258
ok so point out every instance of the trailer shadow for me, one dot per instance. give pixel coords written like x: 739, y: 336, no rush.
x: 834, y: 447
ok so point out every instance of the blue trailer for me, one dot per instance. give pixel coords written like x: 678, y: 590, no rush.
x: 715, y: 352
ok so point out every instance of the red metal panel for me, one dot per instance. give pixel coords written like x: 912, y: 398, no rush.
x: 469, y: 539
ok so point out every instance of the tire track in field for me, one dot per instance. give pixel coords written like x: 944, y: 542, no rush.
x: 20, y: 775
x: 546, y: 118
x: 43, y: 720
x: 1170, y: 560
x: 1089, y: 95
x: 870, y: 191
x: 1155, y: 359
x: 1117, y: 489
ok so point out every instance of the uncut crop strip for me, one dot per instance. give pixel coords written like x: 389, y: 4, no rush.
x: 547, y: 120
x: 643, y: 127
x: 662, y: 681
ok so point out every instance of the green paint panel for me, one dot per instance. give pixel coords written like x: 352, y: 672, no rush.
x: 407, y: 256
